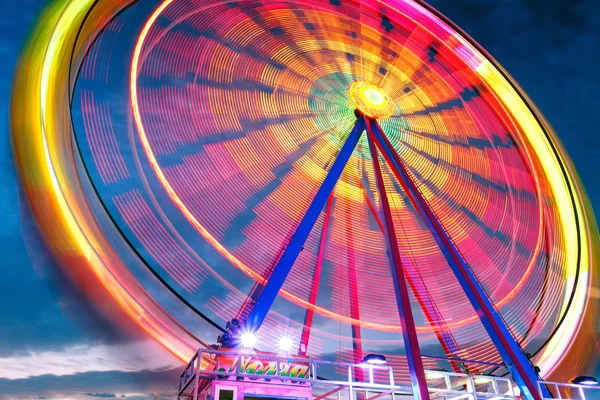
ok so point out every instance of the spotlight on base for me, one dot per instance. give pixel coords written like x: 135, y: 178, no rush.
x: 248, y: 340
x: 286, y: 344
x: 374, y: 359
x: 585, y: 380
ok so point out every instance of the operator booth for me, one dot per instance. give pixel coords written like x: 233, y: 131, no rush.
x: 229, y: 375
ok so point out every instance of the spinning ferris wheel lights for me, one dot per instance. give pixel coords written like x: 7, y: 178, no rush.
x: 251, y: 102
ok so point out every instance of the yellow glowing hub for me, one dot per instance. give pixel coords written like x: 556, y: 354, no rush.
x: 371, y: 100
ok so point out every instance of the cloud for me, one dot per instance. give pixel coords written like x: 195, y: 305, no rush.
x: 159, y: 384
x: 135, y: 357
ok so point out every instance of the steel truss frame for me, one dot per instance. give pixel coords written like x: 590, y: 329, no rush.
x: 518, y: 364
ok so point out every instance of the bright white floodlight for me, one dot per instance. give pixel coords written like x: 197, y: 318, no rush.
x: 285, y: 344
x: 248, y: 340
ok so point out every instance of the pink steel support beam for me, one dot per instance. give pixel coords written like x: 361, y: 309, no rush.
x: 314, y: 290
x: 407, y: 322
x: 432, y: 313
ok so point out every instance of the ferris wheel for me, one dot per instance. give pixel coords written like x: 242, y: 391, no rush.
x: 351, y: 176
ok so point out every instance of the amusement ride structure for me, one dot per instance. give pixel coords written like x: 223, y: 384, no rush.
x: 335, y: 183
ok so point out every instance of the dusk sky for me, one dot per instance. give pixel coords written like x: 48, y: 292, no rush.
x: 54, y: 344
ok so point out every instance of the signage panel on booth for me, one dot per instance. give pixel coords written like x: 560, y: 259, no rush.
x: 261, y: 367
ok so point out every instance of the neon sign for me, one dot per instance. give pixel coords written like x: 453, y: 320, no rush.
x: 260, y: 368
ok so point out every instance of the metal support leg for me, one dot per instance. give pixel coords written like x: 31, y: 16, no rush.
x: 314, y: 290
x: 432, y: 312
x: 283, y: 267
x: 409, y: 332
x: 353, y: 293
x: 517, y: 363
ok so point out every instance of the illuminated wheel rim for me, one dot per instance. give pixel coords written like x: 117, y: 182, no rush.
x: 527, y: 150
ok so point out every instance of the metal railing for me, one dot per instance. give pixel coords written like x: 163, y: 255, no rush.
x: 370, y: 381
x: 568, y: 391
x: 454, y: 386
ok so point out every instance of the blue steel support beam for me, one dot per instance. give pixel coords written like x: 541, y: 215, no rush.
x: 284, y: 266
x: 407, y: 321
x: 517, y: 363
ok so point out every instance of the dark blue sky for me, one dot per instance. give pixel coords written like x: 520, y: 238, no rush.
x: 551, y: 48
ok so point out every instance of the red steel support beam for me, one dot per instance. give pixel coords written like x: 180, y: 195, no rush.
x: 353, y: 291
x: 407, y: 322
x: 432, y: 312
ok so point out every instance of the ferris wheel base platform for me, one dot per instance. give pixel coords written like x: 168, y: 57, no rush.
x: 250, y: 375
